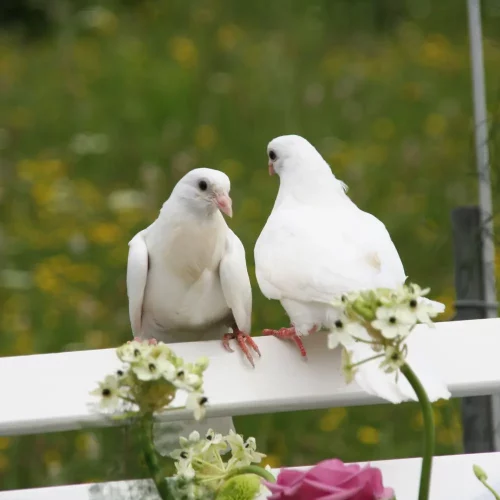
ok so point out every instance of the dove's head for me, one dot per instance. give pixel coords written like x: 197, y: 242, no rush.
x: 292, y: 154
x: 205, y: 190
x: 302, y: 170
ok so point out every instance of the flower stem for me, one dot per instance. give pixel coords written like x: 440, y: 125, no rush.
x: 125, y: 416
x: 492, y: 491
x: 483, y: 477
x: 204, y: 463
x: 363, y: 341
x: 377, y: 356
x: 151, y: 458
x: 429, y: 431
x: 253, y: 469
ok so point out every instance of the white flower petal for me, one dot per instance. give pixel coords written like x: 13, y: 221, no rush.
x: 379, y: 324
x: 109, y: 392
x: 147, y: 370
x: 333, y: 340
x: 358, y: 331
x: 184, y: 469
x: 185, y: 380
x: 194, y: 436
x: 196, y: 402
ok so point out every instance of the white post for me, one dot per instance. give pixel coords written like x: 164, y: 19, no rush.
x: 483, y: 169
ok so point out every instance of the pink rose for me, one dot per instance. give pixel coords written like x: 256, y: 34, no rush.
x: 330, y: 480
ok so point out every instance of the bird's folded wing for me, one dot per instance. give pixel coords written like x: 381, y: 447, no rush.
x: 309, y: 256
x: 236, y: 282
x: 137, y: 274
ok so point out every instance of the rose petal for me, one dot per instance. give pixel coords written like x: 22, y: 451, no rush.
x: 388, y: 494
x: 362, y: 476
x: 287, y: 482
x: 321, y: 487
x: 377, y: 485
x: 350, y: 494
x: 289, y: 477
x: 317, y: 490
x: 330, y: 480
x: 333, y: 471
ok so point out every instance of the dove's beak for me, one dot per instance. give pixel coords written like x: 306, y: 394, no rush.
x: 271, y: 169
x: 224, y: 204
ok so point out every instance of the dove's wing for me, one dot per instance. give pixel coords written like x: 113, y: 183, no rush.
x: 372, y: 233
x: 137, y: 274
x: 236, y: 282
x: 311, y: 254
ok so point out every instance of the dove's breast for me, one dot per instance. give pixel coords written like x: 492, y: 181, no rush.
x: 190, y: 252
x: 183, y: 290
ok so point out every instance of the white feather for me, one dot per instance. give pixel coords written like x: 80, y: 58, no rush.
x: 236, y: 282
x: 137, y: 274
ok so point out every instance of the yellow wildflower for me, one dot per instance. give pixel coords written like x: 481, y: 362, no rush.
x: 368, y: 435
x: 206, y: 136
x: 184, y: 51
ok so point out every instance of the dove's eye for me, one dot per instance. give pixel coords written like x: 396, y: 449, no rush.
x: 203, y: 185
x: 272, y: 155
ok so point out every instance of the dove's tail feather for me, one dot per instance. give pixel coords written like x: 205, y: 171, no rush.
x: 439, y: 306
x: 166, y: 434
x: 397, y: 390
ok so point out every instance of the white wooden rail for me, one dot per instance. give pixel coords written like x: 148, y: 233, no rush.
x: 452, y: 479
x: 55, y: 387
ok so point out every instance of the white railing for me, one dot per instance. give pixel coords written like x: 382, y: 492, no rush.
x: 56, y: 398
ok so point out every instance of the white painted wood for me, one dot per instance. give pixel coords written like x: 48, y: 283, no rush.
x: 452, y: 479
x: 43, y: 393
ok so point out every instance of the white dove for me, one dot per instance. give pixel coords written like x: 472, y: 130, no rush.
x: 187, y: 278
x: 316, y: 245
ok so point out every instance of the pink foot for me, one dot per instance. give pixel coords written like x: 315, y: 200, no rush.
x: 290, y: 333
x: 244, y: 341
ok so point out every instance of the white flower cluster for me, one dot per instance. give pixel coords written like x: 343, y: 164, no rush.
x: 200, y: 458
x: 150, y: 376
x: 382, y: 318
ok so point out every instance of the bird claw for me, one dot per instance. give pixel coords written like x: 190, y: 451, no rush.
x: 244, y: 341
x: 288, y: 333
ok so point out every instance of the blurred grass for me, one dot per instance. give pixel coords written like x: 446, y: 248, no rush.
x: 99, y: 120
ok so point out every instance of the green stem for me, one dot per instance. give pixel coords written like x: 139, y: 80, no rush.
x: 483, y: 477
x: 125, y: 416
x: 363, y: 341
x: 208, y: 464
x: 429, y: 431
x: 253, y: 469
x: 151, y: 458
x: 377, y: 356
x: 493, y: 492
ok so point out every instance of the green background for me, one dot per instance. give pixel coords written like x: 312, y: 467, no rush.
x: 108, y: 104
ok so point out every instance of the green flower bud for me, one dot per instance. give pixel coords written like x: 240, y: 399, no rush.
x: 363, y: 309
x: 201, y: 365
x: 479, y: 472
x: 242, y: 487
